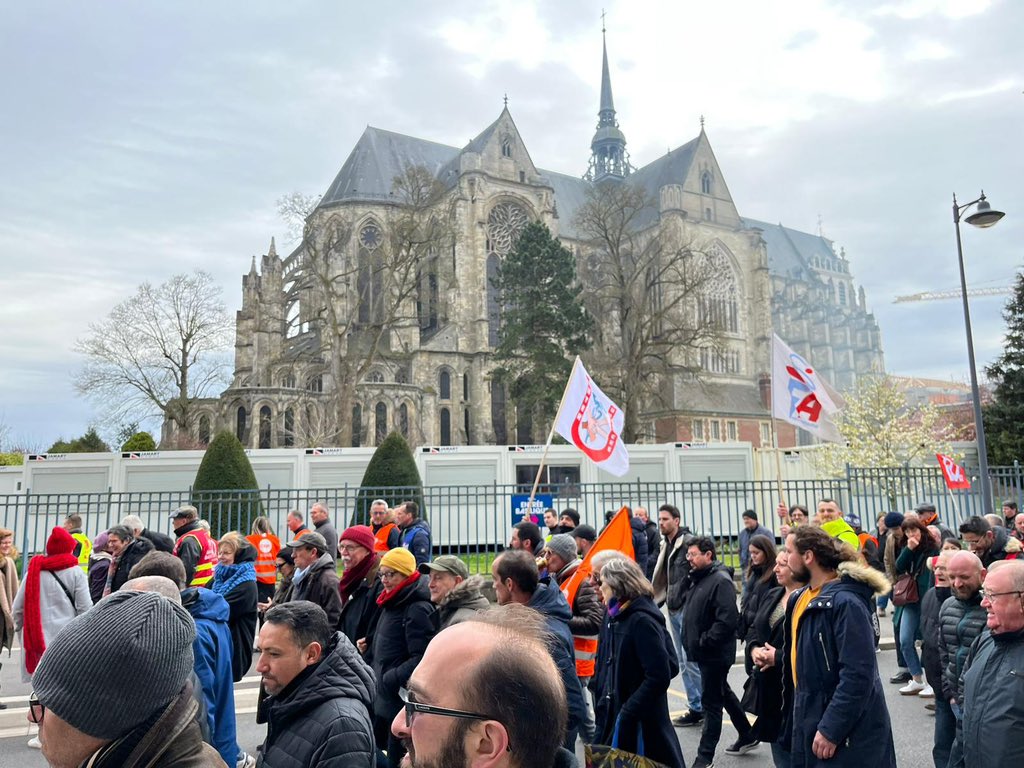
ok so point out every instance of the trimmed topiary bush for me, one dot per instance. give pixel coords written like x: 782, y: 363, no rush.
x: 391, y: 475
x: 140, y: 441
x: 225, y: 490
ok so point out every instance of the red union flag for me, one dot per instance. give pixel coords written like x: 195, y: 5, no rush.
x: 953, y: 473
x: 588, y: 419
x: 800, y: 396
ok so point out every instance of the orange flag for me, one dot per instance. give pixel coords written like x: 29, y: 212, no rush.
x: 616, y: 535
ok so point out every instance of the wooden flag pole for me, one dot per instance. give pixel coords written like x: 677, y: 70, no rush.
x: 778, y: 472
x: 952, y: 498
x: 551, y: 436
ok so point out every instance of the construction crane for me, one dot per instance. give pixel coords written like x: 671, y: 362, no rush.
x: 953, y: 294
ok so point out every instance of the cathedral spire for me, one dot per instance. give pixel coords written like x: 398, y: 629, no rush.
x: 608, y: 156
x: 272, y: 251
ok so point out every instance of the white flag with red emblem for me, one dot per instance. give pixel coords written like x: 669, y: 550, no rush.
x: 588, y: 419
x: 953, y: 473
x: 800, y: 396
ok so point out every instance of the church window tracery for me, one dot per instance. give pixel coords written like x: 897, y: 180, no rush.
x: 718, y: 303
x: 504, y: 224
x: 705, y: 183
x: 265, y: 426
x: 380, y: 418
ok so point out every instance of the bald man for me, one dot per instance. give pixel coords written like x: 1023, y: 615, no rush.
x: 475, y: 669
x: 961, y: 620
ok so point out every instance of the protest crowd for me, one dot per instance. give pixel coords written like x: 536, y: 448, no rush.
x: 569, y: 643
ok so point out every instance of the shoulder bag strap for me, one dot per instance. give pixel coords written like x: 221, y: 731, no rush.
x: 66, y: 590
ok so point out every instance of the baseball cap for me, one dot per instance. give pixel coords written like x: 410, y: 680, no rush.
x: 447, y: 564
x: 310, y: 540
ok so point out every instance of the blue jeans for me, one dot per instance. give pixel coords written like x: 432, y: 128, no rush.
x: 882, y: 602
x: 910, y: 628
x: 690, y: 671
x: 945, y: 731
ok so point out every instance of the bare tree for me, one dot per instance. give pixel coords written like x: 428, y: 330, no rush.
x: 158, y: 352
x: 368, y: 286
x: 294, y: 208
x: 647, y: 283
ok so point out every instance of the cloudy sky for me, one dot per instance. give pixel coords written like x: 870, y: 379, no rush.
x: 143, y: 139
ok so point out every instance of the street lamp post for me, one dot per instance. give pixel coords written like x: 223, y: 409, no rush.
x: 983, y: 217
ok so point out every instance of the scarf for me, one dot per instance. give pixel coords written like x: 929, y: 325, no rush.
x: 59, y: 547
x: 227, y: 577
x: 389, y: 594
x: 615, y: 607
x: 111, y: 572
x: 353, y: 577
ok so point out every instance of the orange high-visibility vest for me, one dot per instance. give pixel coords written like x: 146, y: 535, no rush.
x: 207, y: 556
x: 584, y: 646
x: 267, y: 546
x: 381, y: 536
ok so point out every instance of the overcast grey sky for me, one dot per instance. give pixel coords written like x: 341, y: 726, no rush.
x: 142, y: 139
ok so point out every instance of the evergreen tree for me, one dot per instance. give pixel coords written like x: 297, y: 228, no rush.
x: 391, y: 475
x: 225, y: 490
x: 140, y: 441
x: 543, y: 322
x: 1004, y: 416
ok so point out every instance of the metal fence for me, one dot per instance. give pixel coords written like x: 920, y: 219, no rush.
x: 475, y: 519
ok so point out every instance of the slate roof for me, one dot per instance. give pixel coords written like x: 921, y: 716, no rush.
x: 790, y: 250
x: 381, y: 155
x: 724, y: 398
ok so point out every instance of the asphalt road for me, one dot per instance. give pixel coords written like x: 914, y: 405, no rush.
x: 912, y: 723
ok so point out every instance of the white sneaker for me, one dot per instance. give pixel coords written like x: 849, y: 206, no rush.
x: 35, y: 743
x: 245, y: 760
x: 912, y: 688
x: 927, y: 692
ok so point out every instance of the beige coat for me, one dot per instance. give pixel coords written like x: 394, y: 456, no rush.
x: 8, y: 591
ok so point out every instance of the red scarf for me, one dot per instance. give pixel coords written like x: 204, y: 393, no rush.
x: 388, y: 594
x: 59, y: 548
x: 353, y: 577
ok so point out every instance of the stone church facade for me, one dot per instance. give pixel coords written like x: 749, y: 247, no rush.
x: 432, y: 379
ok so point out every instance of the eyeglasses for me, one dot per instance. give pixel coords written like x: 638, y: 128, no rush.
x: 388, y: 574
x: 36, y: 710
x: 991, y: 596
x: 413, y: 707
x: 348, y: 547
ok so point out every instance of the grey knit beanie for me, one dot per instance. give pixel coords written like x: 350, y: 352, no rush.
x: 112, y: 668
x: 563, y: 545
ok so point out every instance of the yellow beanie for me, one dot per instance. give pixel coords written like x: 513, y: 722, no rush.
x: 399, y: 560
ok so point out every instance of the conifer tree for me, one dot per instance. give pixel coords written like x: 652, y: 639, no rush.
x: 391, y: 475
x: 543, y: 322
x: 1004, y: 416
x: 225, y: 490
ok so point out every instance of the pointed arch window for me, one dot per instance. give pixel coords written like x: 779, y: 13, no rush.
x: 240, y: 424
x: 504, y: 224
x: 705, y: 183
x: 718, y: 303
x: 289, y: 428
x: 403, y: 420
x: 444, y: 385
x: 380, y: 423
x: 266, y: 427
x: 370, y: 275
x: 498, y: 413
x: 204, y: 429
x: 446, y: 427
x: 465, y: 425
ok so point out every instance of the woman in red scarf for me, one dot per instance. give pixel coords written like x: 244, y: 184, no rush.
x: 55, y: 590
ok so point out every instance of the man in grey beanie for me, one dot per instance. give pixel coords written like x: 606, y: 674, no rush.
x: 148, y: 719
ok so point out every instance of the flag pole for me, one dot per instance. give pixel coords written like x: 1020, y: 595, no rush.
x: 775, y: 438
x: 952, y: 498
x: 551, y: 436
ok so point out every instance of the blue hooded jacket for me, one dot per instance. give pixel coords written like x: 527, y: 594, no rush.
x: 551, y: 604
x: 212, y: 651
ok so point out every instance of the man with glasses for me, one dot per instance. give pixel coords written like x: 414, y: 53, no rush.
x: 993, y: 689
x: 360, y: 585
x: 320, y: 692
x: 472, y: 701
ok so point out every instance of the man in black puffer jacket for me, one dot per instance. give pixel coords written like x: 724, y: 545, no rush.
x: 321, y: 692
x: 961, y: 620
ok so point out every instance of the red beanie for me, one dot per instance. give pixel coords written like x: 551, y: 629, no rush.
x: 361, y: 535
x: 60, y: 542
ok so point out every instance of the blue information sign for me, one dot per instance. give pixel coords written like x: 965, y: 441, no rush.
x: 520, y: 501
